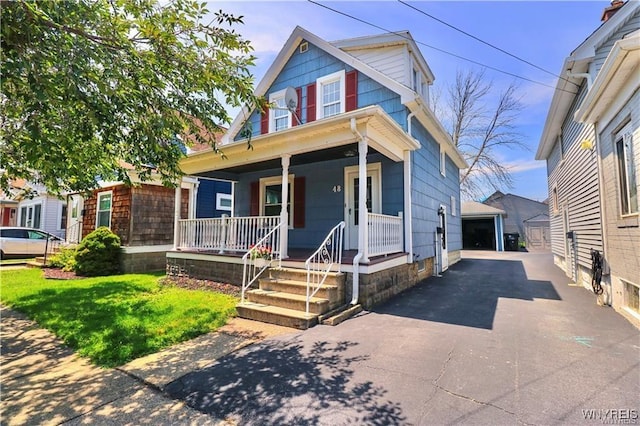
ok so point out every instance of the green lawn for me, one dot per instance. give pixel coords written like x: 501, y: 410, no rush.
x: 112, y: 320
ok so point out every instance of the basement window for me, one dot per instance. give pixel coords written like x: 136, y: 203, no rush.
x: 631, y: 297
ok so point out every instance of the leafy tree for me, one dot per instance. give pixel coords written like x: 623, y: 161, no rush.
x: 90, y: 85
x: 479, y: 126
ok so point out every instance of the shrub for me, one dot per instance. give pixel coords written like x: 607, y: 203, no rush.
x: 65, y: 259
x: 98, y: 254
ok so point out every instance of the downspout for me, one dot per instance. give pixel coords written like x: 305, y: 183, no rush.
x: 408, y: 216
x: 356, y: 260
x: 605, y: 266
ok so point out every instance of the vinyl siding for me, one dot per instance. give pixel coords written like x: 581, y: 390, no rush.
x: 623, y: 241
x: 429, y: 189
x: 49, y: 213
x: 391, y: 61
x: 576, y: 180
x: 632, y: 24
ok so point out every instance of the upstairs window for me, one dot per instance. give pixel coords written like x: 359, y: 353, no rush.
x: 331, y: 94
x: 626, y: 172
x: 280, y: 116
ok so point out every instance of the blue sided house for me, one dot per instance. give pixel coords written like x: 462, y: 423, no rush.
x: 349, y: 195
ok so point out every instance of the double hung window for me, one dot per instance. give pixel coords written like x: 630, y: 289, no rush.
x: 627, y: 178
x: 103, y: 209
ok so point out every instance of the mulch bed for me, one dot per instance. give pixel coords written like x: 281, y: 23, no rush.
x: 195, y: 284
x: 59, y: 274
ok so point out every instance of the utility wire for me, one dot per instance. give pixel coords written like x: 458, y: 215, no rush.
x: 485, y: 42
x: 437, y: 48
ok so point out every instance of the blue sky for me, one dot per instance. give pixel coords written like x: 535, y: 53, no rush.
x: 542, y: 32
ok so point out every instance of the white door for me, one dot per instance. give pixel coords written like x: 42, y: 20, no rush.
x: 351, y: 200
x: 442, y: 238
x: 74, y: 219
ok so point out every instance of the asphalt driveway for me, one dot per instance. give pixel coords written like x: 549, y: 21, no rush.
x: 499, y: 339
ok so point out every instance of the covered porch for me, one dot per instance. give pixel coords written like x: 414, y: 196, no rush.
x: 294, y: 186
x: 299, y: 210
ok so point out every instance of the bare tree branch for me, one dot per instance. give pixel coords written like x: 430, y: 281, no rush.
x: 479, y: 128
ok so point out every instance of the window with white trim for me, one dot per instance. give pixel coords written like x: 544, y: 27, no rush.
x: 453, y: 205
x: 271, y: 197
x: 63, y: 216
x: 279, y: 115
x: 554, y: 200
x: 224, y: 202
x: 443, y: 162
x: 330, y: 94
x: 103, y: 209
x: 30, y: 215
x: 626, y: 172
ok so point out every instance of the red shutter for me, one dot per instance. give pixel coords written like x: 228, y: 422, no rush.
x: 264, y: 122
x: 351, y: 89
x: 254, y: 199
x: 298, y: 202
x: 311, y: 103
x: 294, y: 120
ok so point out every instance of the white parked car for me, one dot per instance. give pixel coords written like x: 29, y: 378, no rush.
x: 26, y: 242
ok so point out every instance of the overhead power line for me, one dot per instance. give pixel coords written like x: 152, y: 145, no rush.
x: 484, y: 42
x: 437, y: 48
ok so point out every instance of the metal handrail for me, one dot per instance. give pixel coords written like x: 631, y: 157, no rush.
x: 259, y: 257
x: 322, y: 261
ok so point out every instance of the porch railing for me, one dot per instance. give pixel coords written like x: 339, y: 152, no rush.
x: 225, y: 233
x: 259, y: 257
x: 319, y: 264
x: 386, y: 234
x: 73, y: 234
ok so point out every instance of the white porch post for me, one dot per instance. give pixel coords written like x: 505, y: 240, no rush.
x: 284, y: 215
x: 363, y: 228
x: 408, y: 229
x: 176, y: 214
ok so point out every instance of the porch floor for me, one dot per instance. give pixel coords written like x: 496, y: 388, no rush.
x: 301, y: 255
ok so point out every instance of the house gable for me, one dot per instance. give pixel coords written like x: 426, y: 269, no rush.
x: 303, y: 70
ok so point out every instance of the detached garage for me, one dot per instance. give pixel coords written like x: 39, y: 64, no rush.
x: 481, y: 227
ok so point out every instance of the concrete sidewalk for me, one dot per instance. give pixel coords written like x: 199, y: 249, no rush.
x: 44, y: 382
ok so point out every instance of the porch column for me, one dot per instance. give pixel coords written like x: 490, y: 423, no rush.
x: 176, y: 214
x: 363, y: 228
x: 408, y: 226
x: 284, y: 215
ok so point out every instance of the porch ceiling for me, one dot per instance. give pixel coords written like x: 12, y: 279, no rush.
x: 320, y: 140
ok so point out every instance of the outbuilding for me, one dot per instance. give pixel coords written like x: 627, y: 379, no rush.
x: 482, y: 227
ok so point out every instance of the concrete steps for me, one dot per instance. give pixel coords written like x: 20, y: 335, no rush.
x: 281, y: 298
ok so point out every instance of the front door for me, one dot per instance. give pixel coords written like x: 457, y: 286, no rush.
x: 442, y: 238
x: 352, y: 208
x: 74, y: 219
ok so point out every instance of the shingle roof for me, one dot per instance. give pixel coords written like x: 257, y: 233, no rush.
x: 473, y: 208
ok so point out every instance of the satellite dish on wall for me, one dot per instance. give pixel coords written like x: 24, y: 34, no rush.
x: 291, y: 102
x: 291, y: 98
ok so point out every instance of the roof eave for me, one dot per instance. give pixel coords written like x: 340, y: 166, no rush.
x: 624, y: 54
